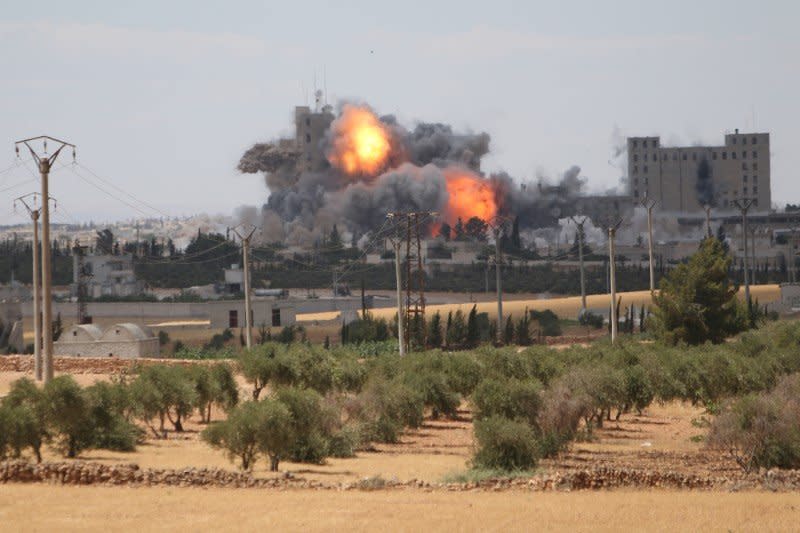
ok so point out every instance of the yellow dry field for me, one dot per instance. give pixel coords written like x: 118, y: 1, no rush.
x: 567, y: 307
x: 51, y: 508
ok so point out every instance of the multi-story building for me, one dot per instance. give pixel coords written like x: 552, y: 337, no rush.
x: 105, y: 275
x: 310, y: 128
x: 686, y: 178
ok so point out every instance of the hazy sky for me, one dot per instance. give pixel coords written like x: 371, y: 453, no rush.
x: 162, y: 97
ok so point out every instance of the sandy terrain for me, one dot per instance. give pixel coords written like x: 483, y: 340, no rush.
x: 148, y: 509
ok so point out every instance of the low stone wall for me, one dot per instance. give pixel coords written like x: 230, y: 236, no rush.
x: 88, y: 473
x: 88, y: 365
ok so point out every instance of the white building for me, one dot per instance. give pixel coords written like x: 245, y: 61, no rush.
x: 268, y: 312
x: 106, y: 275
x: 119, y: 340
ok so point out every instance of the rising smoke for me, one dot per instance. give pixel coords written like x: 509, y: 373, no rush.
x: 373, y: 165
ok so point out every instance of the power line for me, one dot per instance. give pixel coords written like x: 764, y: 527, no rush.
x: 129, y: 195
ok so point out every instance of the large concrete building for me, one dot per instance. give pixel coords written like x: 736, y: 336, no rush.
x: 310, y: 128
x: 685, y: 178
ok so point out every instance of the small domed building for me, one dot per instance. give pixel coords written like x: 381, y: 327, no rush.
x: 118, y: 340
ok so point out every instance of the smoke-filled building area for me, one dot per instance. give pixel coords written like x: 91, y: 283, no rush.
x: 352, y: 166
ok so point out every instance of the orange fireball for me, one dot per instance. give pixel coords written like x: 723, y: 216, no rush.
x: 361, y: 142
x: 469, y: 196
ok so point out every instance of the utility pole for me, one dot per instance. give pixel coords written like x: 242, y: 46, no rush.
x: 37, y: 296
x: 413, y: 312
x: 245, y: 232
x: 45, y: 163
x: 396, y: 244
x: 580, y: 259
x: 497, y: 224
x: 649, y: 205
x: 744, y: 206
x: 791, y: 255
x: 612, y: 233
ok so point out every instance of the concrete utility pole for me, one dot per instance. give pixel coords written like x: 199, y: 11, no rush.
x: 397, y: 242
x: 649, y: 205
x: 37, y: 296
x: 45, y: 163
x: 744, y: 205
x: 497, y: 225
x: 612, y: 233
x: 580, y: 259
x: 791, y: 255
x: 245, y: 232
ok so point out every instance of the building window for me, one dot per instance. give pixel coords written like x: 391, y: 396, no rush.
x: 308, y: 121
x: 733, y: 155
x: 744, y: 166
x: 635, y: 169
x: 644, y: 143
x: 724, y: 155
x: 636, y: 192
x: 755, y: 154
x: 755, y: 179
x: 714, y: 156
x: 636, y: 181
x: 734, y: 140
x: 744, y: 154
x: 684, y: 157
x: 308, y: 138
x: 233, y: 318
x: 674, y: 157
x: 755, y: 189
x: 276, y: 317
x: 635, y: 144
x: 694, y: 156
x: 645, y: 181
x: 755, y: 202
x: 753, y: 140
x: 644, y: 170
x: 755, y: 166
x: 635, y: 157
x: 744, y: 179
x: 744, y: 190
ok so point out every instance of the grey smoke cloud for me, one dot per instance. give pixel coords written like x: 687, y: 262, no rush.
x: 302, y: 205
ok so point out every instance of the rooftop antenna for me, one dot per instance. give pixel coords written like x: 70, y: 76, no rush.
x: 317, y: 93
x: 325, y: 83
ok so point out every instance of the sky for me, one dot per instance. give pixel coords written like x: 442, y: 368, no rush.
x: 161, y: 98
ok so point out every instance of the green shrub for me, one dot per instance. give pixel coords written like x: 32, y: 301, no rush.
x: 165, y: 392
x: 436, y: 394
x: 108, y: 404
x: 504, y: 444
x: 385, y: 407
x: 68, y: 416
x: 549, y: 325
x: 251, y: 429
x: 762, y: 430
x: 25, y: 419
x: 511, y: 398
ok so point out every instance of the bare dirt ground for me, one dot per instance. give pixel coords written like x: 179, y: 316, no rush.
x: 149, y: 509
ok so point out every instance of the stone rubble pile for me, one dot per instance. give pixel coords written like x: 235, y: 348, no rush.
x: 87, y: 365
x: 89, y: 473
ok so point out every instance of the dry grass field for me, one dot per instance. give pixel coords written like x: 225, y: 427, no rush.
x: 566, y: 307
x: 49, y: 508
